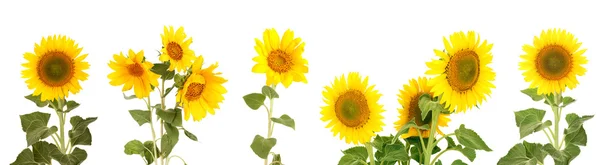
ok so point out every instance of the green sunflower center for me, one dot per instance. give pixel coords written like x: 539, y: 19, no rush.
x: 463, y: 70
x: 553, y: 62
x: 174, y: 51
x: 135, y: 69
x: 194, y: 91
x: 415, y: 113
x: 279, y: 61
x: 352, y: 109
x: 55, y: 69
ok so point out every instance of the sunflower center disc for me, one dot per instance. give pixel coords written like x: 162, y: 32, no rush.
x: 135, y: 69
x: 55, y: 68
x: 415, y: 113
x: 553, y: 62
x: 279, y: 61
x: 194, y: 90
x: 352, y: 109
x: 463, y: 70
x: 174, y: 50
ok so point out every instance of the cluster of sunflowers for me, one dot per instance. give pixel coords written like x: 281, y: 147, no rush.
x: 460, y: 81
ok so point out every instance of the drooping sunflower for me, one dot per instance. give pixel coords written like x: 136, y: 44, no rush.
x: 409, y: 99
x: 553, y: 61
x: 133, y: 71
x: 202, y: 91
x: 55, y: 68
x: 463, y: 78
x: 281, y: 59
x: 352, y: 109
x: 176, y: 49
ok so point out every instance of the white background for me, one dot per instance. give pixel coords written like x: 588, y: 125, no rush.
x: 390, y: 42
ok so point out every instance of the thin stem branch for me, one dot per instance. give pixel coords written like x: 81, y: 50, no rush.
x: 169, y: 159
x: 440, y: 139
x: 548, y: 136
x: 421, y: 139
x: 438, y: 156
x: 148, y: 103
x: 370, y: 152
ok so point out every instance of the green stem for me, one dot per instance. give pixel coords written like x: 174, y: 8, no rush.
x: 438, y: 156
x: 169, y: 159
x: 61, y: 119
x: 548, y: 136
x: 421, y: 139
x: 153, y: 132
x: 370, y: 152
x: 432, y: 131
x: 269, y: 122
x: 407, y: 150
x: 556, y: 110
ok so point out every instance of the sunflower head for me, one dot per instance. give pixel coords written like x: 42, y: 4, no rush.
x: 553, y: 62
x: 133, y: 71
x: 55, y: 68
x: 176, y: 49
x: 352, y: 109
x: 462, y: 77
x: 202, y: 91
x: 409, y: 99
x: 280, y: 58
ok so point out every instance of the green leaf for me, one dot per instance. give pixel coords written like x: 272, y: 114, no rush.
x: 269, y: 92
x: 74, y: 158
x: 169, y: 140
x: 129, y: 97
x: 439, y: 162
x: 395, y: 152
x: 262, y: 146
x: 160, y: 68
x: 34, y: 121
x: 190, y: 135
x: 575, y: 122
x: 458, y: 162
x: 467, y: 152
x: 534, y: 150
x: 25, y: 158
x: 532, y: 92
x: 359, y: 152
x: 71, y: 105
x: 450, y: 141
x: 530, y: 121
x: 80, y: 133
x: 254, y: 100
x: 171, y: 116
x: 169, y: 75
x: 566, y: 101
x: 37, y: 100
x: 140, y: 116
x: 179, y: 80
x: 350, y: 160
x: 469, y: 138
x: 426, y: 105
x: 517, y: 155
x: 550, y: 100
x: 577, y: 138
x: 168, y: 90
x: 563, y: 157
x: 148, y: 150
x: 285, y: 120
x: 134, y: 147
x: 34, y: 136
x: 379, y: 141
x: 575, y: 133
x: 411, y: 124
x: 276, y: 160
x: 42, y: 151
x: 538, y: 115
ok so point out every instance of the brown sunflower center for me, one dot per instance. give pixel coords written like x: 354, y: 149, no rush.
x: 463, y: 70
x: 352, y: 109
x: 55, y: 68
x: 175, y: 51
x: 279, y: 61
x: 194, y: 91
x: 135, y: 69
x: 415, y: 113
x: 553, y: 62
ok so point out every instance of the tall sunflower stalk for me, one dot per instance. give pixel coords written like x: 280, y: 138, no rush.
x: 199, y: 90
x: 551, y: 64
x: 282, y: 62
x: 54, y: 70
x: 462, y: 81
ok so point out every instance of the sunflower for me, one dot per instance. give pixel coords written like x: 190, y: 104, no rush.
x: 134, y: 72
x: 553, y: 61
x: 281, y: 60
x: 409, y: 99
x: 202, y: 91
x: 461, y: 73
x: 55, y: 68
x: 176, y: 49
x: 352, y: 109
